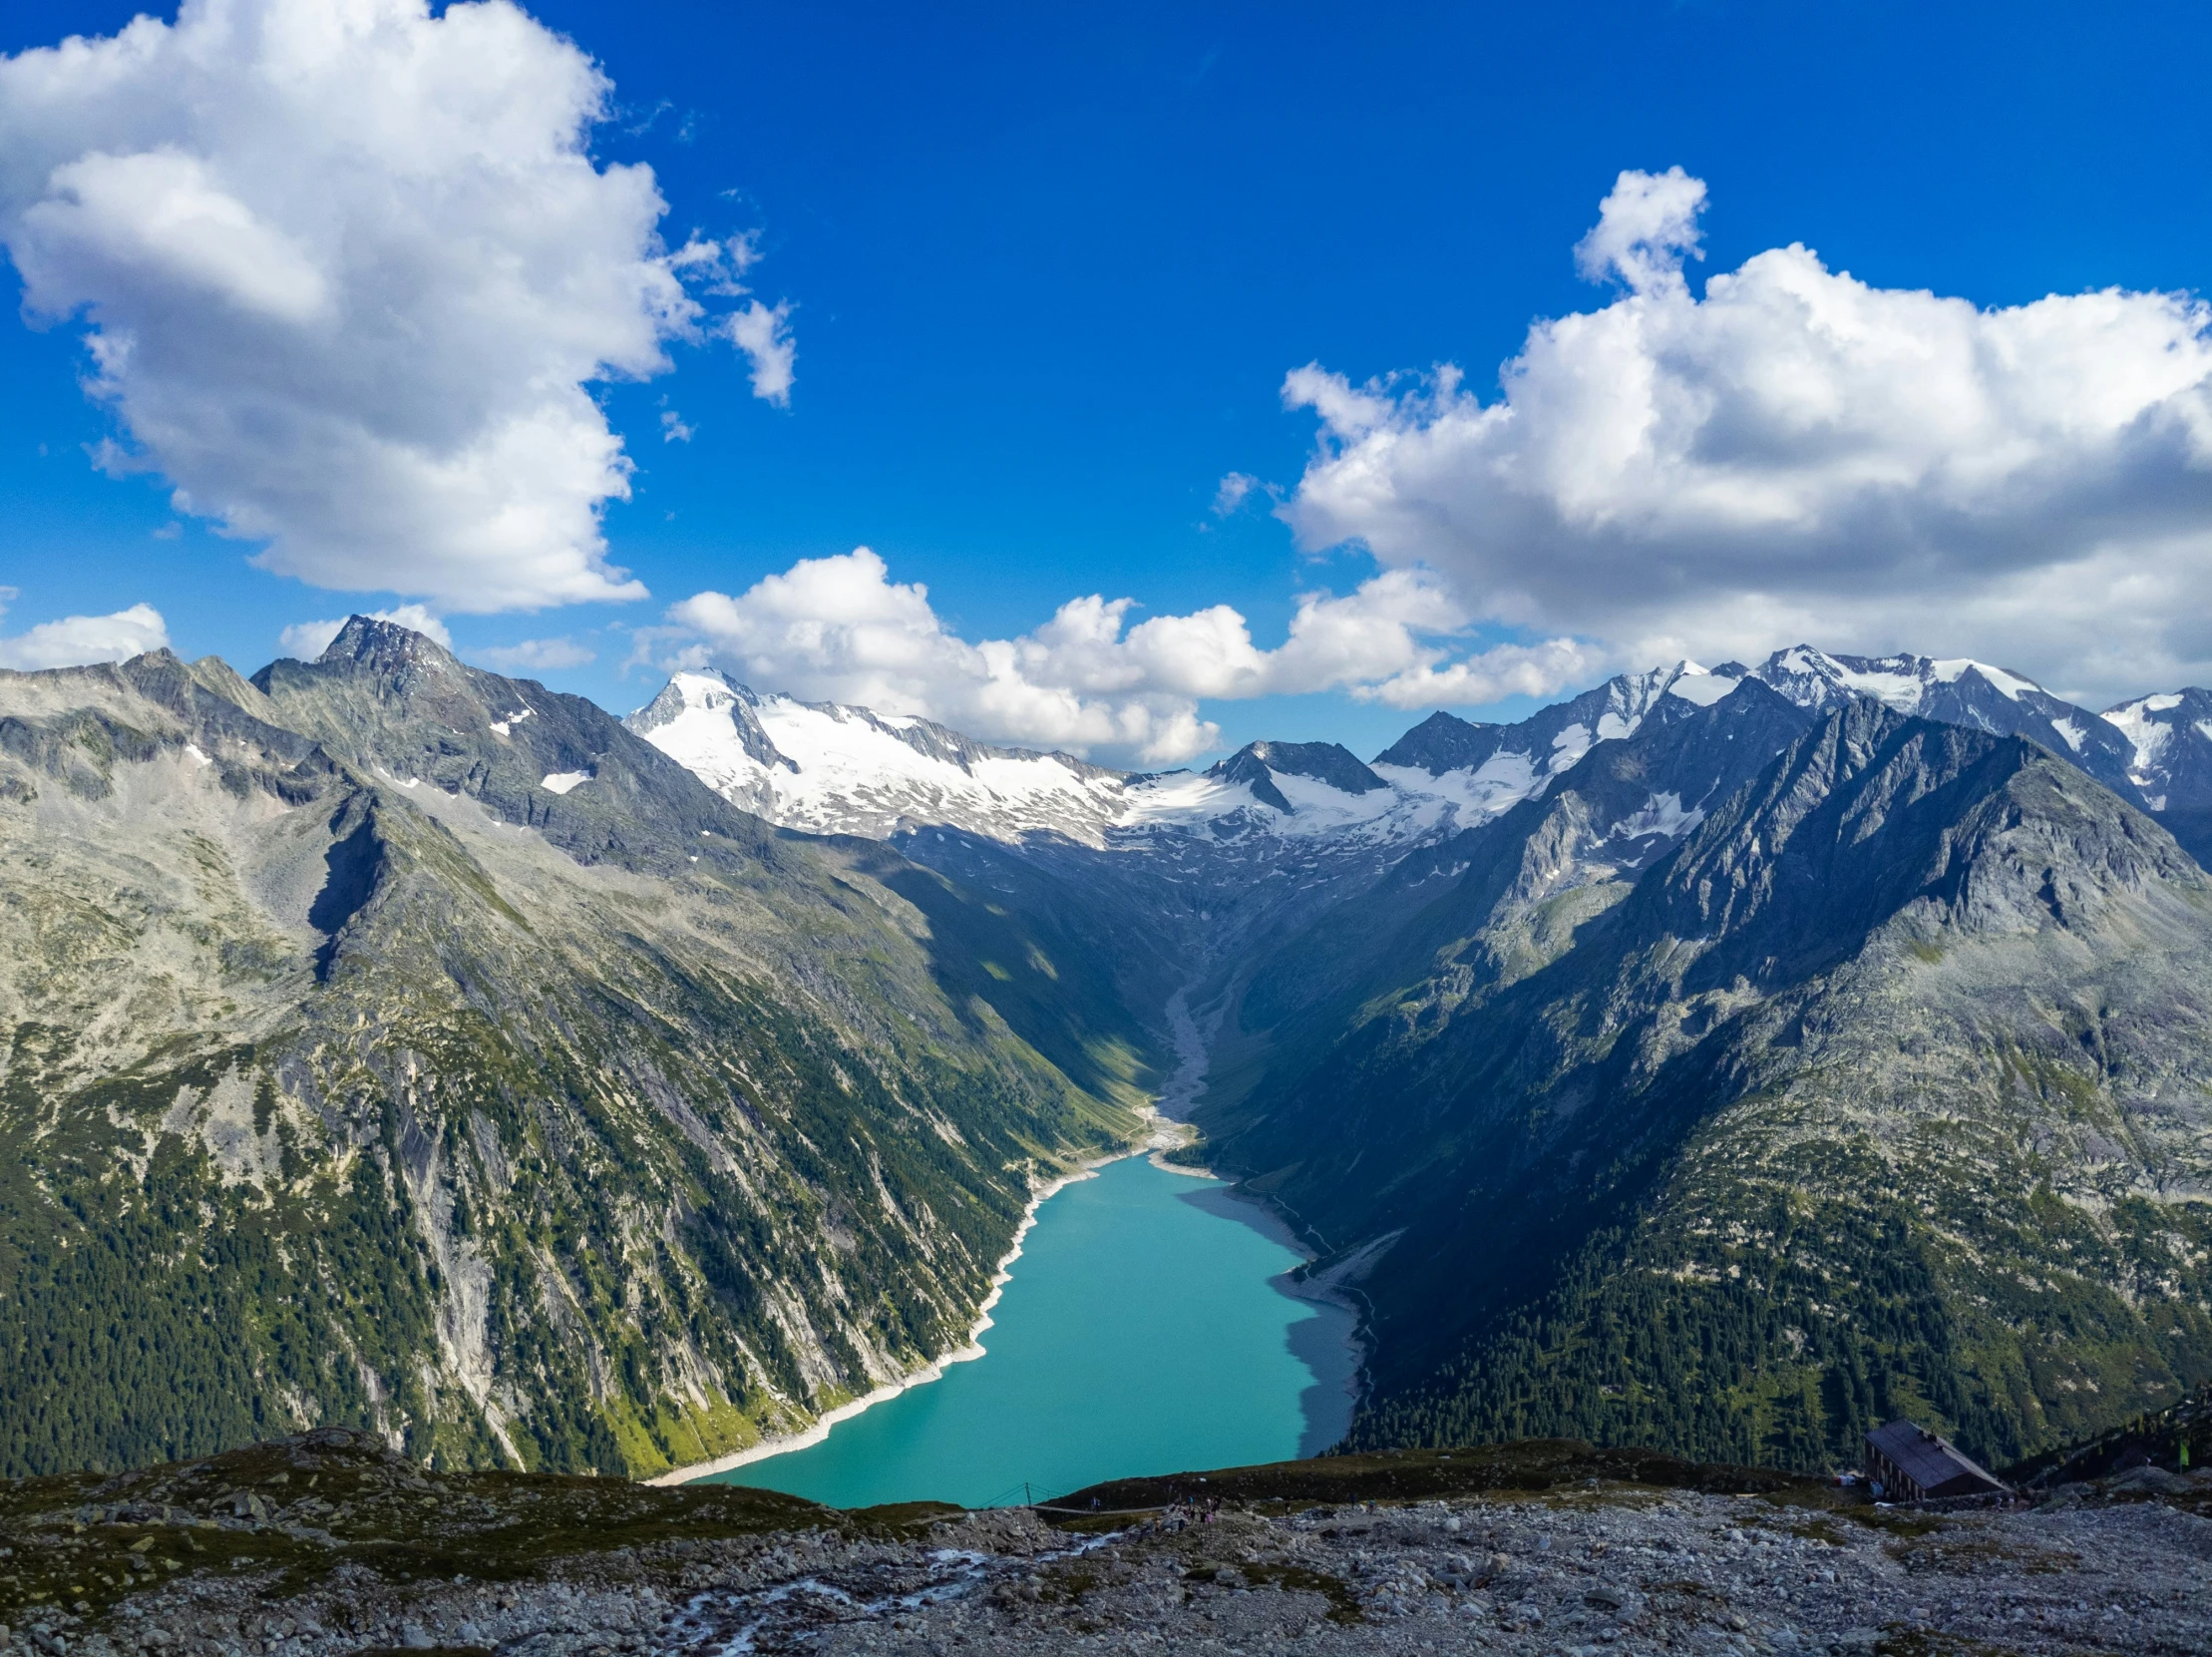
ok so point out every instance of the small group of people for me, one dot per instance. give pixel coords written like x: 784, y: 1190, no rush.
x: 1180, y: 1513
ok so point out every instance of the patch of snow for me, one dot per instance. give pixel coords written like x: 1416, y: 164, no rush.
x: 1502, y: 781
x: 2149, y: 736
x: 502, y: 726
x: 1319, y: 809
x: 2071, y: 731
x: 1660, y: 814
x: 2009, y: 684
x: 1902, y: 692
x: 1182, y: 797
x: 559, y: 782
x: 1569, y: 746
x: 192, y: 749
x: 1695, y: 685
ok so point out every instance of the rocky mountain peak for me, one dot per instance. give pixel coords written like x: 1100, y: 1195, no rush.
x: 1329, y: 762
x: 2170, y: 735
x: 713, y: 697
x: 385, y: 646
x: 1256, y: 765
x: 1247, y: 768
x: 1442, y: 742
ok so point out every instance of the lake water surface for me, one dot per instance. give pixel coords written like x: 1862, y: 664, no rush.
x: 1143, y: 1330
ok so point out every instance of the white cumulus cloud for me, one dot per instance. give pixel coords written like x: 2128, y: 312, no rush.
x: 763, y: 333
x: 74, y: 640
x: 347, y: 269
x: 1795, y: 453
x: 305, y: 640
x: 841, y: 630
x: 542, y: 655
x: 1645, y: 227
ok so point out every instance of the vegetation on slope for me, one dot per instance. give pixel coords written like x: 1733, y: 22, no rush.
x: 351, y: 1074
x: 1884, y: 1093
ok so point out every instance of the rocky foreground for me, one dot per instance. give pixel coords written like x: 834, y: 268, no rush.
x: 326, y: 1544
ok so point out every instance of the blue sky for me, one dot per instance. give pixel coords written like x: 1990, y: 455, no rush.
x: 1047, y: 268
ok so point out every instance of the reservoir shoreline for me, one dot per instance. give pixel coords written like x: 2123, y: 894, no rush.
x: 783, y: 1443
x: 1326, y: 1346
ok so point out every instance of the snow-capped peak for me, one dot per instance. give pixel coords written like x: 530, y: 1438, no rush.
x: 834, y: 769
x: 1908, y: 684
x: 1520, y: 758
x: 2170, y: 741
x: 828, y: 768
x: 1701, y: 687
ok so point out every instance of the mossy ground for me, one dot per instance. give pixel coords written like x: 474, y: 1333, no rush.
x: 292, y: 1513
x: 1531, y: 1466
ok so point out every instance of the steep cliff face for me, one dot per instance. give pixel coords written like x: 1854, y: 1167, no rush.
x: 1884, y: 1090
x: 390, y: 1042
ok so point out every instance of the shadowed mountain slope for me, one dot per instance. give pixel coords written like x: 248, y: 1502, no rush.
x: 1517, y: 879
x: 1883, y: 1091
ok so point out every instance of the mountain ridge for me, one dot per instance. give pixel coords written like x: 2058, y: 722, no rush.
x: 364, y: 1072
x: 1493, y: 914
x: 561, y: 1090
x: 1619, y: 1086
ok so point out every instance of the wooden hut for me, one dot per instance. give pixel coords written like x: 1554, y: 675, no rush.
x: 1910, y: 1464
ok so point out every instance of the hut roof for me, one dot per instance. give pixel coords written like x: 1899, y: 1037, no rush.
x: 1934, y: 1463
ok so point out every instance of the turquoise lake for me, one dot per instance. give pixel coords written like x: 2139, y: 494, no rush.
x: 1144, y: 1329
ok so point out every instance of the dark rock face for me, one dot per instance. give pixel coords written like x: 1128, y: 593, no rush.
x: 1248, y: 768
x: 391, y: 1042
x: 400, y: 707
x: 1329, y: 762
x: 1444, y: 743
x: 1736, y: 1146
x: 1257, y: 764
x: 1610, y: 815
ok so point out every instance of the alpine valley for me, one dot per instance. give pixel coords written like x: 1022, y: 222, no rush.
x: 1719, y: 1062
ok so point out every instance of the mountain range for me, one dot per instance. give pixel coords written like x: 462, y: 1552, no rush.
x: 392, y: 1042
x: 1719, y: 1061
x: 1723, y: 1059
